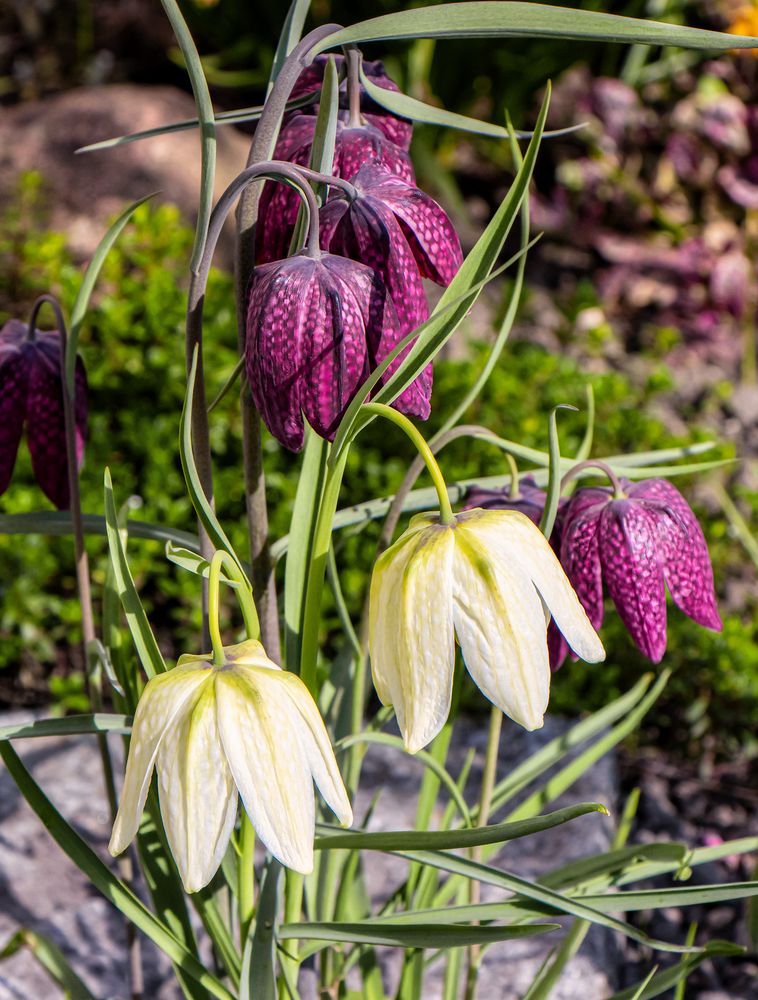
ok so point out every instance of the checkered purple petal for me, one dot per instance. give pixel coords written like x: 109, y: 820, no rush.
x: 45, y: 426
x: 13, y: 386
x: 632, y: 561
x: 430, y: 233
x: 686, y: 561
x: 579, y: 551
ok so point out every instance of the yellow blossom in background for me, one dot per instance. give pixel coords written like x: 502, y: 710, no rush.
x: 486, y: 579
x: 210, y: 732
x: 745, y: 22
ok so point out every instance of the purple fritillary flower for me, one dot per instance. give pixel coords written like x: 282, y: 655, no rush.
x: 279, y: 204
x: 402, y: 233
x: 31, y: 392
x: 638, y: 545
x: 397, y: 130
x: 315, y: 330
x: 530, y: 501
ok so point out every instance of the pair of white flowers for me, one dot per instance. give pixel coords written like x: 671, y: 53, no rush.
x: 490, y: 579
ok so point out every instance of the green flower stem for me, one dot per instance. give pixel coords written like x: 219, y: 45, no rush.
x: 322, y: 540
x: 222, y: 560
x: 425, y: 452
x: 593, y: 463
x: 354, y: 60
x: 214, y: 627
x: 514, y: 492
x: 246, y: 885
x: 262, y: 147
x: 485, y: 804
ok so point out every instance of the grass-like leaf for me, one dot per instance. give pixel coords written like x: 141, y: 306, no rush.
x: 499, y: 19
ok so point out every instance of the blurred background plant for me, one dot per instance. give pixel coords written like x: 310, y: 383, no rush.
x: 643, y: 286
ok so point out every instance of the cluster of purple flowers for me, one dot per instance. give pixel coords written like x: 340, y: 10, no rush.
x: 636, y: 543
x: 319, y: 322
x: 656, y: 191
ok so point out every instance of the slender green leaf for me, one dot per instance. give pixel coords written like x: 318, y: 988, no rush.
x: 408, y: 107
x: 554, y: 472
x: 665, y: 980
x: 81, y: 303
x: 259, y: 958
x: 142, y: 635
x: 616, y: 862
x: 193, y: 562
x: 412, y: 840
x: 655, y: 899
x: 444, y: 321
x: 203, y: 508
x: 206, y: 119
x: 239, y: 117
x: 54, y: 522
x: 422, y: 756
x: 533, y: 892
x: 291, y: 33
x: 103, y: 879
x: 497, y: 19
x: 52, y: 960
x: 71, y: 725
x: 409, y: 935
x: 566, y: 777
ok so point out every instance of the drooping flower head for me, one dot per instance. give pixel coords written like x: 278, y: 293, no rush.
x: 638, y: 545
x: 316, y: 327
x: 354, y: 146
x: 210, y: 732
x: 397, y: 130
x: 484, y: 579
x: 403, y: 234
x: 530, y: 499
x: 31, y: 393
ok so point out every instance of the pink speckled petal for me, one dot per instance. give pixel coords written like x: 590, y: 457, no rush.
x: 557, y: 647
x: 13, y: 386
x: 430, y: 233
x: 579, y: 552
x: 337, y: 350
x: 630, y: 552
x: 46, y: 434
x: 686, y: 561
x: 364, y: 143
x: 283, y: 300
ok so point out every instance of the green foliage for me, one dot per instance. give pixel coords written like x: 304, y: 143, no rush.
x: 132, y: 344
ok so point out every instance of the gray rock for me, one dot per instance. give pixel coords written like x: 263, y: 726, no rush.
x: 86, y: 190
x: 41, y: 889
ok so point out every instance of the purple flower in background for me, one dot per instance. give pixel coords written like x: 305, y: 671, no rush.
x: 316, y: 328
x: 354, y: 146
x: 31, y: 392
x: 403, y: 234
x: 397, y: 130
x: 530, y: 499
x: 638, y: 545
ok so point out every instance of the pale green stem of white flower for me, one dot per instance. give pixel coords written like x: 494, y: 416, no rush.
x: 222, y: 560
x: 401, y: 421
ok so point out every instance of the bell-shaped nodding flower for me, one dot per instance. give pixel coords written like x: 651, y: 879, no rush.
x: 639, y: 544
x: 530, y: 499
x: 354, y: 146
x: 210, y: 732
x: 403, y: 234
x: 485, y: 579
x: 31, y: 393
x: 316, y: 328
x: 397, y: 130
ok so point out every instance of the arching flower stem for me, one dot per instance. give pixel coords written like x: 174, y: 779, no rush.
x: 222, y: 560
x: 425, y: 452
x: 353, y: 58
x: 591, y: 463
x: 515, y: 492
